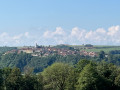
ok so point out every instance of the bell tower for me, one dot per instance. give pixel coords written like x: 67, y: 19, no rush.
x: 36, y: 45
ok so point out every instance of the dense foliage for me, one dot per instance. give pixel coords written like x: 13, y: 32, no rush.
x: 23, y: 60
x: 85, y: 75
x: 5, y: 49
x: 22, y: 71
x: 114, y: 52
x: 64, y: 47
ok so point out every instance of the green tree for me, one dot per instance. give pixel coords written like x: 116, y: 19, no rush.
x: 108, y: 72
x: 56, y: 76
x: 6, y: 73
x: 88, y: 78
x: 29, y: 83
x: 1, y: 79
x: 117, y: 82
x: 81, y: 64
x: 13, y: 81
x: 102, y: 55
x: 39, y: 85
x: 29, y: 80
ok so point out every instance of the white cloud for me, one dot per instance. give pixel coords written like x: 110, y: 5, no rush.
x: 4, y: 34
x: 58, y: 32
x: 114, y: 30
x: 17, y: 37
x: 47, y: 34
x: 75, y: 31
x: 56, y: 37
x: 99, y: 36
x: 100, y: 30
x: 15, y: 40
x: 27, y: 34
x: 78, y: 34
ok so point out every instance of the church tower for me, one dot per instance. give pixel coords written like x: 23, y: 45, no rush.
x: 36, y: 46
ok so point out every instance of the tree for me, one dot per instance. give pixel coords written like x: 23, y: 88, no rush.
x: 81, y: 64
x: 102, y: 55
x: 29, y: 83
x: 6, y: 73
x: 1, y: 79
x: 39, y: 84
x: 117, y: 81
x: 89, y: 79
x: 56, y: 76
x: 29, y: 80
x: 14, y: 80
x: 109, y: 72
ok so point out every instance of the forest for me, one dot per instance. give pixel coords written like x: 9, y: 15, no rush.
x: 23, y: 60
x: 22, y: 71
x: 85, y: 75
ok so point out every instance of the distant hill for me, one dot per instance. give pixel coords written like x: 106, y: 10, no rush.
x: 62, y: 46
x: 5, y: 49
x: 23, y: 60
x: 97, y: 48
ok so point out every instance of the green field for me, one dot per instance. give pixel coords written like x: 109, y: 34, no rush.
x: 98, y: 48
x: 103, y: 49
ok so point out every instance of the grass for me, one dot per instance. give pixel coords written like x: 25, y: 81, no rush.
x: 106, y: 50
x: 98, y: 48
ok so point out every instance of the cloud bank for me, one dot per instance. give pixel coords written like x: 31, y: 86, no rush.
x: 76, y: 36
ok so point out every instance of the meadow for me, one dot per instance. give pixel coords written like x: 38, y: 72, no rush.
x: 97, y: 48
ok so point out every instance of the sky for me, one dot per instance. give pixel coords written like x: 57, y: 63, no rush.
x: 53, y: 22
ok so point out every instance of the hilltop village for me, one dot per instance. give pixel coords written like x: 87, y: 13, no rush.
x: 43, y: 51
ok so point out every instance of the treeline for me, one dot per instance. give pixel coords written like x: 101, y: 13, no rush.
x: 64, y: 47
x: 85, y: 75
x: 114, y: 52
x: 5, y: 49
x: 23, y: 60
x: 109, y: 58
x: 13, y: 79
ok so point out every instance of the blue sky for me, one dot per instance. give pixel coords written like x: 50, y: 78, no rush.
x: 26, y: 22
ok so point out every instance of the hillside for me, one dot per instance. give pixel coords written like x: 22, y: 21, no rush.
x: 38, y: 61
x: 5, y: 49
x: 97, y: 48
x: 23, y: 60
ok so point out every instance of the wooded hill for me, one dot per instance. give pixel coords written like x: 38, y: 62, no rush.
x: 23, y: 60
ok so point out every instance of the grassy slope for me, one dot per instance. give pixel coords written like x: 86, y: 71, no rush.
x: 98, y: 48
x: 103, y: 49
